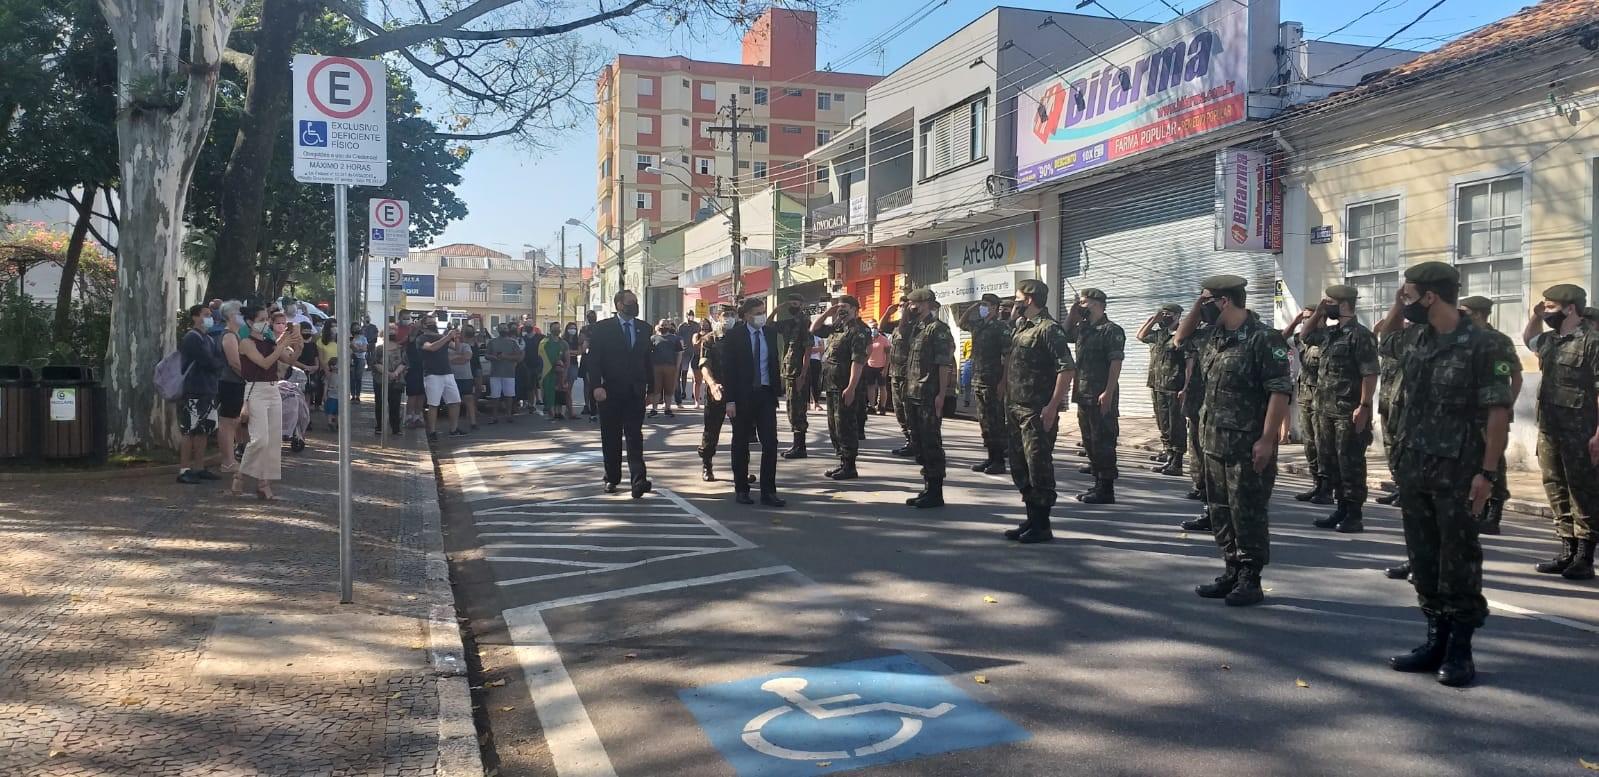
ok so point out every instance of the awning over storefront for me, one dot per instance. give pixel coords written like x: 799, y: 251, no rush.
x: 722, y: 268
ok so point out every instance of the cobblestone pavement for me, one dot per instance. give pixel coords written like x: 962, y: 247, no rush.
x: 109, y: 592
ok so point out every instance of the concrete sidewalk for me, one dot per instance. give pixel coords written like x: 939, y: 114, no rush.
x: 152, y: 628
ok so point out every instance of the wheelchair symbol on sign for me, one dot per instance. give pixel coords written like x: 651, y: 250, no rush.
x: 314, y: 133
x: 791, y: 690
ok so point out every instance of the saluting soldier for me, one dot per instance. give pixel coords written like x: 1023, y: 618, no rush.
x: 847, y: 343
x: 1305, y: 402
x: 712, y: 366
x: 1346, y: 388
x: 1101, y: 345
x: 899, y: 348
x: 1453, y: 416
x: 927, y: 379
x: 991, y: 337
x: 1480, y: 308
x: 794, y: 326
x: 1038, y: 373
x: 1568, y: 419
x: 1167, y: 370
x: 1390, y: 336
x: 1247, y: 388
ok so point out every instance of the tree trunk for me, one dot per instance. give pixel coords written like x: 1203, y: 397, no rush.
x: 69, y: 268
x: 244, y: 179
x: 164, y: 105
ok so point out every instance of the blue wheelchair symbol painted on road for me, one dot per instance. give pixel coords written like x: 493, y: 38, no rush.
x: 847, y: 716
x: 313, y: 133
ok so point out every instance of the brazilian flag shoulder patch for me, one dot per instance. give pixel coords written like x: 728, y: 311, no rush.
x: 1280, y: 352
x: 1501, y: 368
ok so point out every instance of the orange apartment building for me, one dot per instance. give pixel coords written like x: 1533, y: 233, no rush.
x: 657, y: 111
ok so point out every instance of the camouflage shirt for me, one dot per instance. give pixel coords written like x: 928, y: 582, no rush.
x: 1243, y: 369
x: 1097, y: 346
x: 1194, y: 387
x: 711, y: 356
x: 1166, y: 360
x: 846, y: 347
x: 796, y: 332
x: 1447, y: 384
x: 1348, y: 355
x: 1309, y: 368
x: 932, y: 352
x: 1039, y: 352
x: 1570, y: 366
x: 1388, y: 363
x: 991, y: 339
x: 899, y: 346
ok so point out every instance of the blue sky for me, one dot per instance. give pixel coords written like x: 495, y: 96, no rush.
x: 515, y: 199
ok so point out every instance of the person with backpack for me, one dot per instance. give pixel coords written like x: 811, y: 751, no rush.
x: 197, y: 411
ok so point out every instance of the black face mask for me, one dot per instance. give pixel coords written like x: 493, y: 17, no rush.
x: 1555, y: 319
x: 1416, y: 312
x: 1210, y: 312
x: 630, y: 309
x: 1332, y: 312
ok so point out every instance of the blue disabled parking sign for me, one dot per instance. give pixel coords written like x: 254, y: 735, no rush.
x: 816, y: 720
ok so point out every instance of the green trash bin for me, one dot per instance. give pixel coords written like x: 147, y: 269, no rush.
x: 71, y: 406
x: 18, y: 429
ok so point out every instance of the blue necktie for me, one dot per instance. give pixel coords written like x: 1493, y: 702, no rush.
x: 760, y: 360
x: 627, y: 326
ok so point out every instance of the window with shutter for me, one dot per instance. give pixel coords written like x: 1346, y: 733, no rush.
x: 954, y: 138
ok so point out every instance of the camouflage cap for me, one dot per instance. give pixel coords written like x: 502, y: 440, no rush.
x: 1172, y: 307
x: 1032, y: 286
x: 992, y: 299
x: 1478, y: 304
x: 1432, y: 272
x: 1224, y: 283
x: 1094, y: 294
x: 1567, y: 294
x: 1343, y: 293
x: 923, y: 295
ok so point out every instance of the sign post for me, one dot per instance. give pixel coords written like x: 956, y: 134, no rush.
x: 341, y: 138
x: 389, y: 235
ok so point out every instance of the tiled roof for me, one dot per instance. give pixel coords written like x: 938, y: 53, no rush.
x: 467, y: 249
x: 1530, y: 23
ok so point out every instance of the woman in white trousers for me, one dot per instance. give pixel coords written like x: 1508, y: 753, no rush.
x: 259, y: 358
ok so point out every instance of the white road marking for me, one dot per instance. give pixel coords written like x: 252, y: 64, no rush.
x: 670, y: 585
x: 1556, y: 619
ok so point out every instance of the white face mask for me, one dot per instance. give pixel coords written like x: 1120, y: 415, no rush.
x: 205, y: 322
x: 759, y: 321
x: 728, y: 322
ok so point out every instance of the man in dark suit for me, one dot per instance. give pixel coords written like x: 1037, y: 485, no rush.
x: 752, y: 379
x: 618, y: 367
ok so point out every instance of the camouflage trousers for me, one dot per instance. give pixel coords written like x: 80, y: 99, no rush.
x: 799, y: 398
x: 1100, y: 431
x: 991, y: 420
x: 896, y: 385
x: 1571, y: 483
x: 1441, y: 535
x: 843, y: 426
x: 711, y: 435
x: 1306, y: 409
x: 1030, y: 451
x: 1237, y: 496
x: 1173, y: 424
x: 1341, y: 456
x: 1196, y: 454
x: 927, y: 436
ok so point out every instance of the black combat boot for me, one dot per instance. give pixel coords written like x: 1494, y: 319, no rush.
x: 1161, y: 458
x: 932, y: 496
x: 1103, y: 493
x: 997, y: 467
x: 1400, y: 572
x: 1222, y: 586
x: 1086, y: 469
x: 1558, y: 564
x: 1333, y: 518
x: 844, y: 471
x: 1324, y: 493
x: 1202, y: 523
x: 797, y: 450
x: 1581, y: 567
x: 1492, y: 516
x: 1389, y: 498
x: 1352, y: 522
x: 1430, y: 655
x: 1457, y: 669
x: 705, y: 473
x: 903, y: 451
x: 1194, y: 493
x: 1247, y: 590
x: 982, y: 466
x: 1027, y: 523
x: 1306, y: 496
x: 1038, y: 527
x: 1173, y: 468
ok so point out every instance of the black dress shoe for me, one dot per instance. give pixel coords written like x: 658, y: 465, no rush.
x: 642, y: 487
x: 773, y: 500
x: 744, y: 498
x: 610, y: 488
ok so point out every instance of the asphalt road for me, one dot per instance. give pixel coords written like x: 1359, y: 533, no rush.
x: 684, y: 634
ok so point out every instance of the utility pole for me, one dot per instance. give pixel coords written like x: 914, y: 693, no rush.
x: 592, y: 280
x: 560, y: 296
x: 738, y: 239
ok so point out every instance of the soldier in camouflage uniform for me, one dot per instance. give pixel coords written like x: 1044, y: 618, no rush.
x: 1346, y: 389
x: 1388, y: 364
x: 1101, y: 345
x: 927, y: 379
x: 1247, y: 391
x: 1453, y: 411
x: 1192, y: 397
x: 1568, y: 416
x: 1038, y: 373
x: 1480, y: 308
x: 991, y: 335
x: 794, y: 327
x: 899, y: 345
x: 715, y: 403
x: 847, y: 343
x: 1305, y: 404
x: 1167, y: 369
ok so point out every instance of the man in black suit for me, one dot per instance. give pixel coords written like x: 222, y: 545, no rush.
x: 752, y: 379
x: 618, y: 367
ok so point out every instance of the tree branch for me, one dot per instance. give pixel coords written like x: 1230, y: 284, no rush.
x: 451, y: 27
x: 240, y: 61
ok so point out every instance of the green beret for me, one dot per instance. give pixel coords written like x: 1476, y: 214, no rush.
x: 848, y: 300
x: 1032, y: 286
x: 1478, y: 304
x: 1224, y: 283
x: 1172, y: 307
x: 794, y: 298
x: 1093, y: 294
x: 1342, y: 293
x: 923, y: 295
x: 992, y: 299
x: 1432, y: 272
x: 1567, y: 294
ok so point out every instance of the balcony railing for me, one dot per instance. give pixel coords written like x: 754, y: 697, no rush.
x: 893, y: 200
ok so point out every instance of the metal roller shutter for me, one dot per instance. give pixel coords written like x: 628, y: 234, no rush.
x: 1149, y: 239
